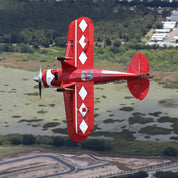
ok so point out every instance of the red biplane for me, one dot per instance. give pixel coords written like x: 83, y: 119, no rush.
x: 77, y: 77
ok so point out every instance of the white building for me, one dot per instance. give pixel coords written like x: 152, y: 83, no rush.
x: 158, y: 36
x: 169, y: 25
x: 162, y: 30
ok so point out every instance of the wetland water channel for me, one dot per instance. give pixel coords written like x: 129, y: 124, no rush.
x: 22, y: 111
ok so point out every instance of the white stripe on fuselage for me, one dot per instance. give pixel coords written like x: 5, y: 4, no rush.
x: 113, y: 72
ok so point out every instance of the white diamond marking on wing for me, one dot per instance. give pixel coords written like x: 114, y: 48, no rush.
x: 82, y: 41
x: 83, y: 109
x: 83, y: 57
x: 83, y: 93
x: 83, y: 25
x: 83, y: 126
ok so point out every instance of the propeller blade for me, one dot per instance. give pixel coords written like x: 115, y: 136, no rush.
x: 40, y: 89
x: 39, y: 80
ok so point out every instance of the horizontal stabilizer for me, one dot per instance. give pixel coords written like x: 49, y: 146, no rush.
x: 139, y: 86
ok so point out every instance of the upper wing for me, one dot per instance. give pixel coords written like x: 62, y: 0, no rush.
x: 80, y: 45
x: 79, y: 105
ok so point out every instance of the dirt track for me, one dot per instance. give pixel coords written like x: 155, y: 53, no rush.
x: 32, y: 168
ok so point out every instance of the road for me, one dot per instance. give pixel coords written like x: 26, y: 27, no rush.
x: 71, y: 168
x: 150, y: 170
x: 171, y: 167
x: 172, y: 34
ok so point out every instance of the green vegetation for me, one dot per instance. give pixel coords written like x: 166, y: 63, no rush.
x: 16, y: 141
x: 169, y: 151
x: 174, y: 138
x: 47, y: 21
x: 6, y: 150
x: 175, y: 126
x: 128, y: 108
x: 28, y: 140
x: 166, y: 174
x: 153, y: 130
x: 52, y: 105
x: 156, y: 114
x: 60, y: 130
x: 161, y: 59
x: 141, y: 174
x: 140, y: 120
x: 117, y: 35
x: 122, y: 143
x: 123, y: 135
x: 32, y: 94
x: 170, y: 119
x: 166, y: 119
x: 168, y: 102
x: 111, y: 120
x: 96, y: 145
x: 42, y: 111
x: 31, y: 120
x: 58, y: 141
x: 16, y: 116
x: 51, y: 124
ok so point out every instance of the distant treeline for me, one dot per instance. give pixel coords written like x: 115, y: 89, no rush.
x: 153, y: 3
x: 46, y: 22
x: 29, y: 139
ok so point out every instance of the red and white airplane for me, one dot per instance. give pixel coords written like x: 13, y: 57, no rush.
x: 77, y: 77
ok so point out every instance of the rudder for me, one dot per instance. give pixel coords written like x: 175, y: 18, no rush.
x: 138, y: 87
x: 139, y: 64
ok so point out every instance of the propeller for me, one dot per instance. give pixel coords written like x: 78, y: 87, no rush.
x: 38, y: 79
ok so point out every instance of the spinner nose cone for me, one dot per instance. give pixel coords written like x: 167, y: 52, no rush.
x: 37, y: 78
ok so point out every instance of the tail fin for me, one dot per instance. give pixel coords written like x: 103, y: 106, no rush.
x: 139, y: 86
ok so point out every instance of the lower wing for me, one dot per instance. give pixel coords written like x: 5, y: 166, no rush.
x: 79, y: 106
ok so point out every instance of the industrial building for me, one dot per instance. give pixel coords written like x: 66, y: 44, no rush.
x: 173, y: 16
x: 160, y: 35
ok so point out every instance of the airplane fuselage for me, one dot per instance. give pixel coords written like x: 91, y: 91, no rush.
x: 56, y: 77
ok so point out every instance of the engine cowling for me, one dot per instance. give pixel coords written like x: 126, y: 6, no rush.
x: 51, y: 78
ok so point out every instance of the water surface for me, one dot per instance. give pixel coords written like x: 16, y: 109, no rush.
x: 21, y: 110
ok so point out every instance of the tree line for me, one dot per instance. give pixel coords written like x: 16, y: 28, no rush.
x: 153, y: 3
x: 47, y: 22
x: 60, y: 141
x: 89, y: 144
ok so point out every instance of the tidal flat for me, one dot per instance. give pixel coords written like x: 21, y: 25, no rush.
x: 22, y: 111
